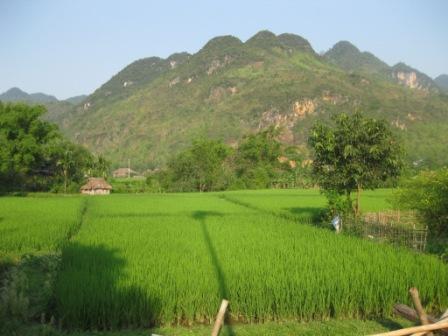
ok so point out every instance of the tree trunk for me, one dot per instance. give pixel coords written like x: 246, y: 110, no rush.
x: 349, y: 201
x: 358, y: 200
x: 65, y: 181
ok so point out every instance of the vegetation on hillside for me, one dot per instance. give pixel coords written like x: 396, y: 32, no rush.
x: 347, y: 56
x: 442, y: 82
x: 230, y: 88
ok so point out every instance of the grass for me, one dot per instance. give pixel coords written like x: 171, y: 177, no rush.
x: 285, y: 201
x: 139, y: 261
x: 160, y: 259
x: 315, y: 328
x: 35, y: 224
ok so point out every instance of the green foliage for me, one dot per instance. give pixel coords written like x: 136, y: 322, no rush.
x: 26, y: 146
x: 26, y: 290
x: 428, y: 194
x: 135, y: 185
x: 210, y: 165
x: 198, y: 168
x: 356, y: 153
x: 34, y: 155
x: 256, y: 159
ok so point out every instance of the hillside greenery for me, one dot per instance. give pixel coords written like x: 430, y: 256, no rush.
x: 350, y: 58
x: 154, y: 108
x: 442, y: 82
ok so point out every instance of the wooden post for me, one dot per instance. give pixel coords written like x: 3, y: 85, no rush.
x: 220, y: 318
x: 411, y: 315
x: 412, y: 330
x: 419, y: 308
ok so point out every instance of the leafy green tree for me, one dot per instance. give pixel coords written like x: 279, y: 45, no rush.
x: 33, y: 153
x: 74, y: 163
x: 66, y: 163
x: 25, y: 145
x: 101, y: 167
x: 353, y: 154
x: 198, y: 168
x: 428, y: 194
x: 256, y: 159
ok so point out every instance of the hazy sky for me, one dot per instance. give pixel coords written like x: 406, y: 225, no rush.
x: 71, y: 47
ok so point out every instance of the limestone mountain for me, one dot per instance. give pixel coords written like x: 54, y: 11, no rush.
x: 15, y: 94
x: 350, y: 58
x: 154, y: 107
x: 76, y: 99
x: 57, y: 109
x: 412, y: 78
x: 442, y: 82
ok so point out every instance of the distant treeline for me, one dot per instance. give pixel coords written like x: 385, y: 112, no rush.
x: 259, y: 161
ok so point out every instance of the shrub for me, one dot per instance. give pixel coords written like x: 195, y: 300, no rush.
x: 428, y: 194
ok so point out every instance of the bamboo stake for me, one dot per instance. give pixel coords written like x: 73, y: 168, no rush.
x: 220, y: 317
x: 411, y: 330
x: 419, y: 308
x: 443, y: 318
x: 444, y: 315
x: 411, y: 315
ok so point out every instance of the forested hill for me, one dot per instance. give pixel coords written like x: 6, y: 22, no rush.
x: 56, y: 109
x: 154, y: 107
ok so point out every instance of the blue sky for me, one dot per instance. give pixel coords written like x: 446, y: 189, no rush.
x: 68, y: 47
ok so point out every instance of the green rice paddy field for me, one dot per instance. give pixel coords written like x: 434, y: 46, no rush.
x: 145, y: 260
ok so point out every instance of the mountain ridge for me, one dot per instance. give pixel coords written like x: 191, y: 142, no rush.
x: 16, y: 94
x: 442, y: 82
x: 154, y: 107
x: 347, y: 56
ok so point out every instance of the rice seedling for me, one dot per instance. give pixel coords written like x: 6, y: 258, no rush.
x: 29, y: 224
x: 154, y: 259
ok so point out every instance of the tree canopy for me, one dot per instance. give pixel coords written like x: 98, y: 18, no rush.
x: 199, y: 168
x: 355, y: 153
x: 34, y: 156
x: 428, y: 194
x: 209, y: 165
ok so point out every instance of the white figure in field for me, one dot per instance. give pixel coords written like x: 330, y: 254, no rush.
x: 336, y: 222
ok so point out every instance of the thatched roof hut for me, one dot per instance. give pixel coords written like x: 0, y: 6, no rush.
x: 96, y: 186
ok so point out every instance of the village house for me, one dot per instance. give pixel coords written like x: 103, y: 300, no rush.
x: 96, y: 186
x: 124, y: 172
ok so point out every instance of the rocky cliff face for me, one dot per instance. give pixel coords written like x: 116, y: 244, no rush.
x: 412, y: 78
x: 408, y: 79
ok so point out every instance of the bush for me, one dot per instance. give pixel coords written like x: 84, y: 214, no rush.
x: 428, y: 194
